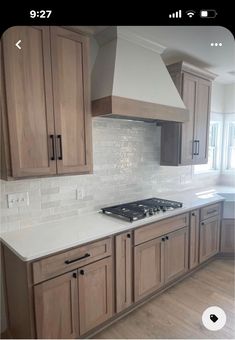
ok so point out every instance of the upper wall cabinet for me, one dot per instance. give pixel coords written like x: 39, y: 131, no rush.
x: 187, y: 143
x: 45, y: 96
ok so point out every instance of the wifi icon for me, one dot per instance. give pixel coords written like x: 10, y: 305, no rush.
x: 190, y: 13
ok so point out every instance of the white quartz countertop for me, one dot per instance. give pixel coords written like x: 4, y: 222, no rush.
x: 47, y: 238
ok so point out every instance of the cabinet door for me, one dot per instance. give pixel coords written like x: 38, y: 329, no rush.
x: 124, y: 275
x: 189, y: 93
x: 56, y: 307
x: 209, y: 238
x: 71, y: 100
x: 29, y: 100
x: 149, y: 267
x: 176, y: 254
x: 228, y: 236
x: 202, y: 121
x: 95, y: 294
x: 194, y: 239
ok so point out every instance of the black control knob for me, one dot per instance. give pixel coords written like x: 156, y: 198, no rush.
x: 82, y: 272
x: 167, y: 238
x: 128, y: 235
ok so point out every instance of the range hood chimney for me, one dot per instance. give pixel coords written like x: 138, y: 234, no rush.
x: 130, y: 80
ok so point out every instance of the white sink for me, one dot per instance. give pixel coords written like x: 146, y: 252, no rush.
x: 229, y: 205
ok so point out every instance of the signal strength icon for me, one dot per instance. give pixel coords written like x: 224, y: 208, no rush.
x: 190, y: 13
x: 177, y: 14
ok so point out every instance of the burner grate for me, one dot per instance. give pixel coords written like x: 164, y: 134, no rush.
x: 137, y: 210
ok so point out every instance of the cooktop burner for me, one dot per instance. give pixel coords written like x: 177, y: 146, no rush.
x: 137, y: 210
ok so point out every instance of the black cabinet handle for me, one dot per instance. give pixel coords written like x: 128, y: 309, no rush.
x: 163, y: 239
x: 193, y: 214
x: 59, y: 137
x: 78, y: 259
x: 198, y: 146
x: 75, y: 275
x: 128, y: 235
x: 82, y: 272
x: 52, y: 138
x: 194, y: 147
x: 167, y: 238
x: 211, y: 211
x: 203, y: 223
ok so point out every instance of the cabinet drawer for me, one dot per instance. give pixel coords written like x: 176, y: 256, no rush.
x: 69, y: 260
x: 210, y: 211
x: 157, y: 229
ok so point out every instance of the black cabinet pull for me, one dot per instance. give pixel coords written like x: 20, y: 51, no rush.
x: 198, y: 147
x: 211, y: 211
x: 75, y: 275
x: 167, y: 238
x: 163, y: 239
x: 52, y: 138
x: 59, y: 137
x: 128, y: 235
x: 78, y: 259
x: 203, y: 223
x: 194, y: 147
x: 193, y: 214
x: 82, y: 272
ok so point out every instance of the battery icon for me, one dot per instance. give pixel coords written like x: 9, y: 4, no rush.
x: 208, y: 13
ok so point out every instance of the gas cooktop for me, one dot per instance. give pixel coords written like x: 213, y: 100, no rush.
x: 137, y: 210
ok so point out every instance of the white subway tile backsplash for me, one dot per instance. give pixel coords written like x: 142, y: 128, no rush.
x: 126, y: 158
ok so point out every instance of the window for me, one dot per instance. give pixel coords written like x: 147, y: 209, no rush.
x: 230, y: 145
x: 214, y: 149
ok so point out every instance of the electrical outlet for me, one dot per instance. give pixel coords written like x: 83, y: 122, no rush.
x: 20, y: 199
x: 80, y: 194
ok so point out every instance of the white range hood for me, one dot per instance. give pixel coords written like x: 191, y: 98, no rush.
x: 130, y: 80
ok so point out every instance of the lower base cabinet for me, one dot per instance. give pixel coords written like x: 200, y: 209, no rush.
x: 176, y: 254
x: 149, y: 267
x: 227, y: 244
x: 95, y: 287
x: 72, y: 304
x: 124, y: 271
x: 209, y: 238
x: 160, y: 261
x: 56, y: 307
x: 194, y: 239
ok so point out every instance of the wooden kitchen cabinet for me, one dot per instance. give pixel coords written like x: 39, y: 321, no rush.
x: 71, y: 96
x: 160, y: 261
x: 56, y: 307
x: 227, y: 244
x: 194, y: 239
x: 124, y: 271
x: 209, y: 238
x: 187, y: 143
x: 176, y: 254
x: 95, y: 288
x: 28, y: 113
x: 46, y: 119
x: 149, y: 267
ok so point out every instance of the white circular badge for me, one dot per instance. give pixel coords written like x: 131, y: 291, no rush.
x: 214, y: 318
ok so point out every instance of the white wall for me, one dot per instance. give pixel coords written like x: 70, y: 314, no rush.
x: 217, y: 97
x: 229, y: 98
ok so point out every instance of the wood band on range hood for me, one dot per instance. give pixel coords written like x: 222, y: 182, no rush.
x: 120, y: 107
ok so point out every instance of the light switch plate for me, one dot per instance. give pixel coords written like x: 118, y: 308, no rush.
x: 19, y: 199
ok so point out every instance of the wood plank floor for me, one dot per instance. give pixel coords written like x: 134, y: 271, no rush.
x: 177, y: 312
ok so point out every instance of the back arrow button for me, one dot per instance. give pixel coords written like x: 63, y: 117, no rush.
x: 18, y: 44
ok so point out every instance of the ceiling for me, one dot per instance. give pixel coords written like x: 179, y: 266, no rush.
x: 192, y: 44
